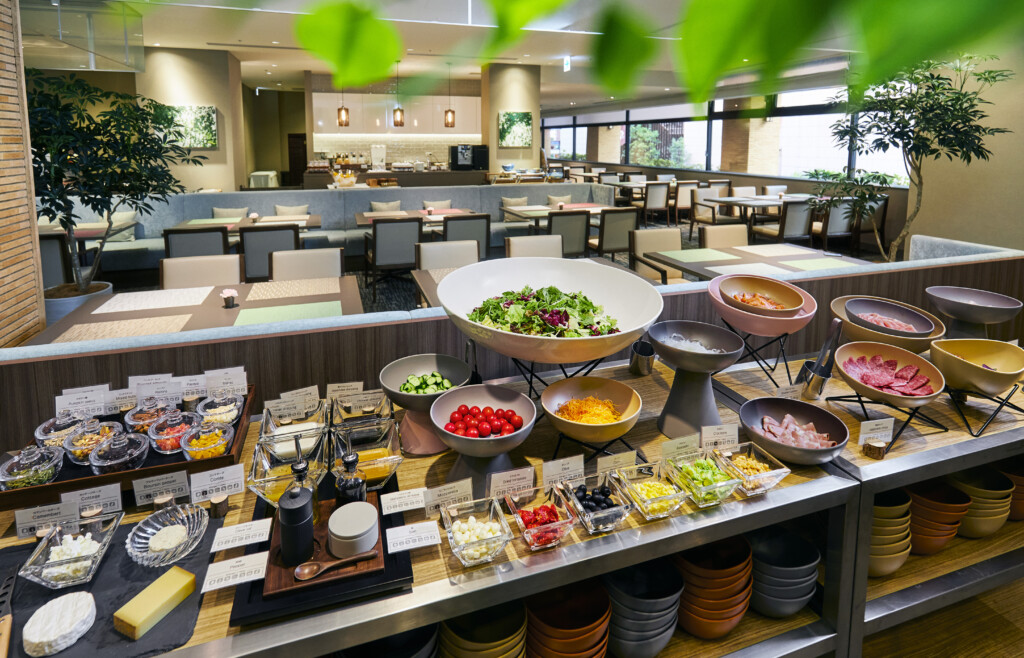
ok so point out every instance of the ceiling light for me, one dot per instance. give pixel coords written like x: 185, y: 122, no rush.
x: 275, y: 66
x: 572, y: 102
x: 745, y: 59
x: 449, y: 114
x: 667, y: 89
x: 278, y: 84
x: 275, y: 42
x: 408, y: 50
x: 268, y: 73
x: 343, y: 111
x: 398, y: 114
x: 612, y: 97
x: 156, y: 44
x: 526, y: 54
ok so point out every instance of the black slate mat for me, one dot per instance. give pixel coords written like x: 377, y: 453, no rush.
x: 115, y: 583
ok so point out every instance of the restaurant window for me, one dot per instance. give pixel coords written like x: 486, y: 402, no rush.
x: 716, y: 143
x: 822, y: 96
x: 581, y: 144
x: 889, y: 162
x: 558, y: 142
x: 806, y: 143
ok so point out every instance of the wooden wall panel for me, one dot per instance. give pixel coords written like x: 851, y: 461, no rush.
x: 282, y: 362
x: 21, y: 289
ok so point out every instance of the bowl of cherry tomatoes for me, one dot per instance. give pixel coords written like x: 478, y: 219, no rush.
x: 483, y: 420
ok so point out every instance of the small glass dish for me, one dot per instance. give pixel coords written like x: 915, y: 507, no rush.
x: 271, y: 470
x: 526, y: 502
x: 484, y: 511
x: 166, y: 434
x: 378, y: 447
x: 365, y: 407
x: 89, y: 435
x: 193, y: 517
x: 207, y: 440
x: 597, y: 520
x: 123, y: 452
x: 71, y: 571
x: 31, y: 467
x: 752, y: 484
x: 145, y: 414
x: 221, y: 407
x: 308, y: 426
x: 633, y: 481
x: 54, y: 431
x: 704, y: 478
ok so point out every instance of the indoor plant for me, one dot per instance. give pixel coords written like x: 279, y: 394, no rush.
x: 863, y: 191
x: 102, y: 150
x: 931, y: 111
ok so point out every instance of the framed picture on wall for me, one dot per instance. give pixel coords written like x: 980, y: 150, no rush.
x: 199, y: 123
x: 515, y: 129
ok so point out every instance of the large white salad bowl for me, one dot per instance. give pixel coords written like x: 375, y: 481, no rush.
x: 631, y: 300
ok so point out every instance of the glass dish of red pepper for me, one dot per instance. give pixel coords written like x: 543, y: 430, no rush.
x: 543, y: 516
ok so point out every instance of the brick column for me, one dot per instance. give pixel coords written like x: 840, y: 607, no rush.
x: 749, y: 145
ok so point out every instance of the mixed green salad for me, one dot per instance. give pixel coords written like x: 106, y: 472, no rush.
x: 545, y: 312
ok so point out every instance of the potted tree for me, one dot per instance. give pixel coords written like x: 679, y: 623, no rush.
x: 102, y: 151
x: 863, y: 192
x: 928, y: 112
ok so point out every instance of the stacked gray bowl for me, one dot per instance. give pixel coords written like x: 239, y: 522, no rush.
x: 645, y: 600
x: 785, y: 573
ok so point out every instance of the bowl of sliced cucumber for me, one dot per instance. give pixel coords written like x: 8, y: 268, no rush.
x: 413, y: 383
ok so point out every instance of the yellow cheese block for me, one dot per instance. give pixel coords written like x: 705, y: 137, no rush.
x: 152, y: 604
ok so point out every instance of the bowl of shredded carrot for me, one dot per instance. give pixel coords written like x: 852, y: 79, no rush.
x: 591, y: 409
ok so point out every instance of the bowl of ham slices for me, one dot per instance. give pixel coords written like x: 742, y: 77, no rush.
x: 794, y: 431
x: 888, y: 318
x: 886, y: 373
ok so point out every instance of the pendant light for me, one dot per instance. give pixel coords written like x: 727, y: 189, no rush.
x: 398, y: 115
x: 342, y: 111
x: 449, y: 114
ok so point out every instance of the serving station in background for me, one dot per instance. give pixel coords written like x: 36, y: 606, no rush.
x: 707, y: 496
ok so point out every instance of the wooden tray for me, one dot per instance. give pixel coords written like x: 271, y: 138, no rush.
x: 73, y: 477
x: 280, y: 579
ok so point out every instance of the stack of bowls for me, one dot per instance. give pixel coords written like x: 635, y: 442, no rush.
x: 936, y: 509
x: 417, y: 643
x: 785, y: 572
x: 1014, y: 469
x: 718, y: 587
x: 890, y: 533
x: 568, y: 622
x: 496, y: 632
x: 991, y: 495
x: 645, y: 602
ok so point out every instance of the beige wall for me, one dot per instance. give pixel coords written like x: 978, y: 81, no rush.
x: 270, y: 117
x: 510, y: 88
x: 202, y: 77
x: 249, y: 127
x: 980, y: 202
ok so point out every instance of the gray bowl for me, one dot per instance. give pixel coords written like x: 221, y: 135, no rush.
x: 643, y: 649
x: 753, y: 411
x: 633, y: 626
x: 710, y: 335
x: 647, y: 587
x: 395, y: 373
x: 769, y: 606
x: 627, y: 614
x: 922, y: 325
x: 785, y: 593
x: 773, y: 581
x: 632, y: 635
x: 783, y: 554
x: 972, y: 305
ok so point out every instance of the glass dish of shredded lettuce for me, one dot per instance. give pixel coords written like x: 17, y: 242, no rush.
x: 545, y: 312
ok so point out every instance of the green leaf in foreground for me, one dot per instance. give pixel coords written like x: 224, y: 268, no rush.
x: 511, y: 16
x: 621, y: 50
x: 359, y: 46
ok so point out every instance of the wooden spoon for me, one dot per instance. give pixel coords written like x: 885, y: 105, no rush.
x: 308, y: 570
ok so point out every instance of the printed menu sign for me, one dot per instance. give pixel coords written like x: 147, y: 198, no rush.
x: 295, y: 408
x: 218, y: 482
x: 229, y: 573
x: 448, y: 494
x: 29, y: 521
x: 401, y: 501
x: 89, y: 403
x: 685, y: 447
x: 107, y: 498
x: 309, y: 397
x: 510, y: 481
x: 876, y: 430
x: 570, y: 468
x: 616, y: 461
x: 718, y: 436
x: 192, y: 386
x: 343, y: 390
x: 231, y: 379
x: 146, y: 489
x: 169, y: 390
x: 146, y: 380
x: 416, y: 535
x: 242, y: 534
x: 122, y: 398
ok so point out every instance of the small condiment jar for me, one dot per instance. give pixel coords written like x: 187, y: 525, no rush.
x: 295, y: 520
x: 350, y: 484
x: 352, y: 529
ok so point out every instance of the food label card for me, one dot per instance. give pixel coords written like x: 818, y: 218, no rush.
x: 685, y: 447
x: 89, y: 403
x: 718, y: 436
x: 122, y: 398
x: 242, y: 534
x: 510, y: 481
x: 295, y: 408
x: 146, y: 489
x: 29, y: 521
x: 790, y: 391
x: 107, y: 498
x: 86, y: 389
x: 142, y: 380
x: 616, y: 461
x: 401, y: 501
x: 570, y: 469
x: 876, y: 430
x: 309, y: 396
x: 232, y: 379
x: 169, y: 390
x: 343, y: 390
x: 192, y: 386
x: 218, y: 482
x: 416, y: 535
x: 229, y: 573
x: 448, y: 494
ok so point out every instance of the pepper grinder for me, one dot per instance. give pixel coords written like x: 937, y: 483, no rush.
x: 295, y: 519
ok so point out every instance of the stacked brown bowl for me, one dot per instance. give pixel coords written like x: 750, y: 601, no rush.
x: 890, y: 533
x: 991, y: 495
x: 495, y: 632
x: 1014, y: 469
x: 645, y: 603
x: 718, y: 587
x: 785, y: 572
x: 936, y: 509
x: 568, y: 622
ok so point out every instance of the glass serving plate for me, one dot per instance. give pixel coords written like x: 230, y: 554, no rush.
x: 271, y: 469
x: 193, y: 517
x: 309, y: 427
x: 758, y: 483
x: 378, y: 447
x: 598, y: 520
x: 76, y: 570
x: 705, y: 492
x: 365, y: 407
x: 548, y: 534
x: 485, y: 510
x: 655, y: 506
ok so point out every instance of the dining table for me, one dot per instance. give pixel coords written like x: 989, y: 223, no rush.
x: 84, y: 232
x: 539, y: 213
x: 758, y: 259
x: 430, y: 221
x: 148, y: 312
x: 304, y: 222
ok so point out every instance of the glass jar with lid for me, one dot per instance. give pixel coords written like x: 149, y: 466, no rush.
x: 54, y: 431
x: 123, y: 452
x: 34, y: 465
x: 221, y: 407
x: 207, y: 440
x: 142, y: 417
x: 89, y: 435
x: 166, y: 434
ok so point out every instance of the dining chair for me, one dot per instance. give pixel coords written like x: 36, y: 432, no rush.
x: 794, y: 223
x: 441, y: 255
x: 390, y: 248
x: 746, y: 190
x: 680, y: 201
x: 195, y: 271
x: 666, y: 177
x: 724, y: 183
x: 55, y: 259
x: 546, y: 246
x: 655, y: 239
x: 636, y: 193
x: 835, y: 222
x: 574, y: 173
x: 574, y: 227
x: 307, y: 264
x: 704, y: 212
x: 258, y: 242
x: 205, y: 241
x: 510, y: 202
x: 613, y: 229
x: 773, y: 190
x: 607, y: 177
x: 598, y: 170
x: 468, y: 227
x: 655, y: 201
x: 726, y: 235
